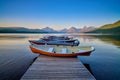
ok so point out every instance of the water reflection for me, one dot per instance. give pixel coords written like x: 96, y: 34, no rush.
x: 103, y: 62
x: 114, y: 39
x: 15, y: 57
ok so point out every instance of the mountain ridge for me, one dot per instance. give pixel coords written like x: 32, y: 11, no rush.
x: 113, y: 28
x: 19, y: 30
x: 43, y: 30
x: 113, y: 25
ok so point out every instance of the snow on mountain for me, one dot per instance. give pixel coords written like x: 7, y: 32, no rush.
x: 48, y: 29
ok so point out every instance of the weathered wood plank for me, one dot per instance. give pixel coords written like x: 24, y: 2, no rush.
x: 54, y: 68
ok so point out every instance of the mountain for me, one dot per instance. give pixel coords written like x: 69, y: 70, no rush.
x: 87, y: 29
x: 73, y: 29
x: 63, y: 30
x: 43, y: 30
x: 48, y: 29
x: 109, y: 28
x: 70, y: 30
x: 19, y: 30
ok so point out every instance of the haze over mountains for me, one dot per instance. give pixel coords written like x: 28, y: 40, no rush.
x: 43, y: 30
x: 19, y: 30
x: 108, y: 28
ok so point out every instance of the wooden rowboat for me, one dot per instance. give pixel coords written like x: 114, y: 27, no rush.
x: 62, y: 51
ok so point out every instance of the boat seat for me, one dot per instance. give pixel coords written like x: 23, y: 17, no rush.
x: 64, y: 50
x: 82, y: 50
x: 50, y: 49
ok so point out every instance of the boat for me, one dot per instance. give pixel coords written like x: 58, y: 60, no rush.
x: 56, y: 40
x: 62, y: 51
x: 72, y: 42
x: 52, y: 37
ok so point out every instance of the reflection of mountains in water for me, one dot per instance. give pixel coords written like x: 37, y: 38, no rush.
x: 12, y: 37
x: 114, y: 39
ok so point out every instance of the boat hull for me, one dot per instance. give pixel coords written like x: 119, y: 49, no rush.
x: 70, y: 43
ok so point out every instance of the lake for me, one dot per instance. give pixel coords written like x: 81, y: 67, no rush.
x: 103, y: 63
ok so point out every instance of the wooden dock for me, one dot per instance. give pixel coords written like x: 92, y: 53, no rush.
x: 55, y: 68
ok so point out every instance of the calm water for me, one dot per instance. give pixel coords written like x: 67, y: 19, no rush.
x: 104, y: 62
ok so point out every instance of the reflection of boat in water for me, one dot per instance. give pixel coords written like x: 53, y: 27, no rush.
x: 55, y: 40
x: 62, y: 51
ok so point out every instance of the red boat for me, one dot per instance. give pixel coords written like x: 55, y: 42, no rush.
x: 62, y: 51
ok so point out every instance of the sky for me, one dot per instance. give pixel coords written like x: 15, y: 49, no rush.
x: 58, y: 14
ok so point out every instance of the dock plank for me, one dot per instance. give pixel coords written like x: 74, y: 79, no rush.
x: 55, y: 68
